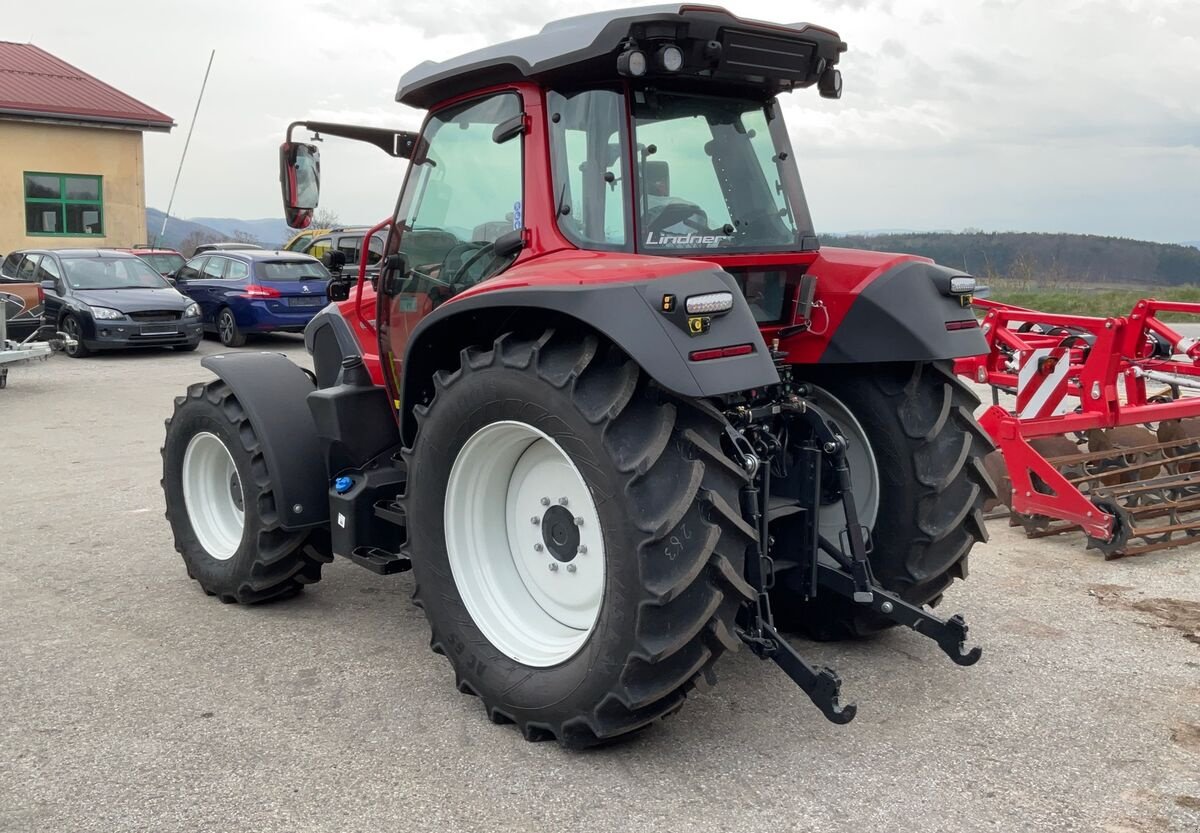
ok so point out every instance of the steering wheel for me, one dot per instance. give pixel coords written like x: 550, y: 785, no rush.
x: 454, y: 259
x: 662, y: 217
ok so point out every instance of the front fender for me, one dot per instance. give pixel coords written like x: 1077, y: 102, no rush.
x: 273, y: 391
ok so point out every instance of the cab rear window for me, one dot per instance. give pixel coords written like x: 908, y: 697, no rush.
x: 289, y: 270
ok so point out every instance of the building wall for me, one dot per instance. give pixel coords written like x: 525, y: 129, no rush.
x: 114, y: 154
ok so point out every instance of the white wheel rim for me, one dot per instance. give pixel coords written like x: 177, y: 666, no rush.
x: 212, y: 493
x: 532, y: 598
x: 864, y: 471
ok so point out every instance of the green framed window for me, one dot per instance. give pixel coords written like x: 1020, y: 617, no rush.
x: 63, y: 205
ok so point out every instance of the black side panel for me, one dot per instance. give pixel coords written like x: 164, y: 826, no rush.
x: 901, y: 317
x: 274, y: 393
x: 329, y: 339
x: 631, y: 315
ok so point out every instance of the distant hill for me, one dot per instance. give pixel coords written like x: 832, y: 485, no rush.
x: 1195, y: 243
x: 178, y: 231
x: 1042, y: 258
x: 269, y: 232
x: 184, y: 234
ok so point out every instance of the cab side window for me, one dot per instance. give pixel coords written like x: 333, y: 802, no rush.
x: 464, y: 192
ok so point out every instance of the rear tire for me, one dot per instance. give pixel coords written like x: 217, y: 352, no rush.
x: 664, y: 496
x: 221, y: 504
x: 929, y: 450
x: 228, y: 330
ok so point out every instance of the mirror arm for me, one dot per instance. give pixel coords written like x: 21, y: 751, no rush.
x: 397, y: 143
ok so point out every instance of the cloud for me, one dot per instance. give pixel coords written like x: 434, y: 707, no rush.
x: 1047, y: 115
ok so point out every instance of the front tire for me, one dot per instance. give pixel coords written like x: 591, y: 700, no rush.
x: 927, y: 506
x: 73, y: 328
x: 660, y: 574
x: 221, y: 503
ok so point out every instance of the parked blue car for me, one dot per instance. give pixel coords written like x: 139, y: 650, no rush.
x: 253, y: 291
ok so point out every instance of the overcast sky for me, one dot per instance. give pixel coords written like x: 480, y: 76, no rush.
x: 1028, y: 115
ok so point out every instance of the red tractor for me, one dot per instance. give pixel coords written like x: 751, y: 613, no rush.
x: 608, y: 397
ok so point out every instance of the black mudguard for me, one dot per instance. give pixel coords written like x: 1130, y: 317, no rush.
x: 632, y: 316
x: 273, y: 390
x: 901, y: 316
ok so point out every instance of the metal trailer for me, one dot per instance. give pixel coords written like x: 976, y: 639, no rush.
x: 14, y: 353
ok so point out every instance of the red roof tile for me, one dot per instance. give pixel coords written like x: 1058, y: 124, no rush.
x: 34, y: 82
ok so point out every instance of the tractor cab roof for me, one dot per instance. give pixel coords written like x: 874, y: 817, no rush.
x: 721, y: 52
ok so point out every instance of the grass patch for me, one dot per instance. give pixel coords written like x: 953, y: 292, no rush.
x: 1089, y: 299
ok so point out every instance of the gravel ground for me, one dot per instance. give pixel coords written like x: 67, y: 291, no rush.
x: 131, y: 701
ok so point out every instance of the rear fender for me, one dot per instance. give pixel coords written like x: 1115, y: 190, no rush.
x: 273, y: 391
x: 902, y: 316
x: 629, y: 314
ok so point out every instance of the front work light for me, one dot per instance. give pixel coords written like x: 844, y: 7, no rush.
x: 632, y: 62
x: 710, y: 303
x: 670, y: 58
x: 962, y: 285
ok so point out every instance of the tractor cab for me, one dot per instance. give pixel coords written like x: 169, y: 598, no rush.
x: 649, y: 132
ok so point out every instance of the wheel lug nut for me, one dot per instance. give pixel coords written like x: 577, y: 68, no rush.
x: 581, y: 549
x: 554, y: 566
x: 535, y: 520
x: 570, y: 568
x: 538, y: 548
x: 545, y: 501
x: 562, y: 501
x: 578, y: 521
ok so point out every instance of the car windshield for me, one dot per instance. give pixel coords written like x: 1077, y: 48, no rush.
x: 165, y: 263
x: 289, y: 270
x: 110, y: 273
x: 715, y: 173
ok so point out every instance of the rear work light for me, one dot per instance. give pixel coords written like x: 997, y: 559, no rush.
x: 721, y: 352
x: 256, y: 291
x: 710, y: 303
x: 632, y: 62
x: 962, y: 285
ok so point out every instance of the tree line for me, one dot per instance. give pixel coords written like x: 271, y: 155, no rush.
x: 1042, y: 258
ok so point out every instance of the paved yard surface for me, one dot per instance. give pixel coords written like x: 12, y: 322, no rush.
x: 131, y: 701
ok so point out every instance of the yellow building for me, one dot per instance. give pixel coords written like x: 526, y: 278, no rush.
x: 71, y: 164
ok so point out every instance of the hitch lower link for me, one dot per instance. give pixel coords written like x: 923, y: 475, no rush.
x: 844, y: 570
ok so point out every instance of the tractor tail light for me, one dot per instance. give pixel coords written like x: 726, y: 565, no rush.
x: 721, y: 352
x: 256, y: 291
x: 968, y: 324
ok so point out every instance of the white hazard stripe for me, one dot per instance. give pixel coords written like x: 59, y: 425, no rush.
x: 1042, y: 395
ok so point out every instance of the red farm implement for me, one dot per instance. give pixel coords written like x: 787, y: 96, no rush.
x: 1102, y: 436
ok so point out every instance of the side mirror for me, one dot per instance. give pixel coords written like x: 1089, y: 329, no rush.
x: 338, y: 289
x: 334, y: 260
x: 49, y: 286
x: 300, y: 182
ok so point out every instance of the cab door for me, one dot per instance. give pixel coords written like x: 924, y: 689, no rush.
x: 463, y: 190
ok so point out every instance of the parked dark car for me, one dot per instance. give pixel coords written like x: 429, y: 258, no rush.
x: 109, y: 300
x: 164, y: 261
x: 254, y: 291
x: 224, y: 247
